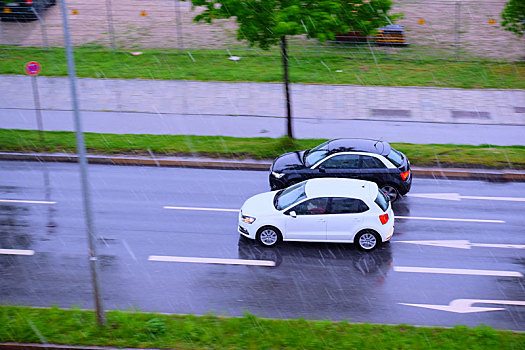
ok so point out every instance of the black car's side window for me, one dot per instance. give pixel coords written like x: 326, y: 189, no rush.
x: 312, y: 206
x: 368, y: 162
x: 347, y: 206
x: 342, y: 161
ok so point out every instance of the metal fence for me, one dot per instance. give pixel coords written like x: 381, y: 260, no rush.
x: 443, y: 29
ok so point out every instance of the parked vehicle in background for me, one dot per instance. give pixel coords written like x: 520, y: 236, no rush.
x: 320, y: 210
x: 23, y: 9
x: 364, y: 159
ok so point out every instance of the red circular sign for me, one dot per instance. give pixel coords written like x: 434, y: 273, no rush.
x: 32, y: 68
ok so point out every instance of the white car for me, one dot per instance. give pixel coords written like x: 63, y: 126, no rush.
x: 320, y: 210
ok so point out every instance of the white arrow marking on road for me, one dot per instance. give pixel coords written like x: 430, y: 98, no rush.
x: 398, y: 217
x: 457, y: 271
x: 24, y: 201
x: 464, y: 306
x: 17, y: 252
x: 458, y: 197
x: 463, y: 244
x: 186, y: 259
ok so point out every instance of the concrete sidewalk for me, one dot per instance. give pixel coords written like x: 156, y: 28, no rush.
x: 309, y: 101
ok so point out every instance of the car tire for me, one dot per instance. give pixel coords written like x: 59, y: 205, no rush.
x: 391, y: 191
x: 268, y: 236
x: 367, y: 240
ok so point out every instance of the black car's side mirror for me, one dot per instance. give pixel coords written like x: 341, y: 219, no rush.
x: 321, y: 169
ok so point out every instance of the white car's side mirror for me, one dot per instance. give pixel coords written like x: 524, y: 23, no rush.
x: 293, y: 214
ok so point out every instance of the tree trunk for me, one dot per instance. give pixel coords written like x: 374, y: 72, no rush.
x: 284, y: 54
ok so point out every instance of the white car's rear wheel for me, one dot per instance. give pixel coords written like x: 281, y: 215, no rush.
x: 367, y: 240
x: 268, y: 236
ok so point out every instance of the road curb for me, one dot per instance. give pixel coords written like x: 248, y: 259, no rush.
x: 506, y: 175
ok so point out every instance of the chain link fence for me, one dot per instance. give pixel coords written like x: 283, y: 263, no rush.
x: 466, y: 30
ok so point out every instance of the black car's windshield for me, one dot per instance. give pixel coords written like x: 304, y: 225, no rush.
x: 395, y: 157
x: 316, y: 154
x: 289, y: 196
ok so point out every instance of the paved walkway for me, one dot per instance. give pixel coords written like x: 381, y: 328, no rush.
x: 409, y: 114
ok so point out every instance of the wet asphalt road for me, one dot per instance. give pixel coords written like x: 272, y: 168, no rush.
x: 315, y: 281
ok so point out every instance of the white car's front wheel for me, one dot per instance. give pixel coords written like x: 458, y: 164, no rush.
x: 367, y: 240
x: 268, y: 236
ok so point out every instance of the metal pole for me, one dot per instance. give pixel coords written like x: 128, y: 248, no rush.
x: 286, y: 88
x: 178, y: 25
x: 42, y: 28
x: 81, y: 149
x: 110, y: 24
x: 458, y: 26
x: 37, y: 108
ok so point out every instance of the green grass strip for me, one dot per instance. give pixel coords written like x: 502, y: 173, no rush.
x: 262, y: 66
x: 443, y: 155
x: 147, y: 330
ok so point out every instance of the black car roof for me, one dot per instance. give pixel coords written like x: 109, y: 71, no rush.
x: 359, y: 145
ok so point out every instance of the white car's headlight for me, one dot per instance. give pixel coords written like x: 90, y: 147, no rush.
x: 277, y: 175
x: 248, y: 219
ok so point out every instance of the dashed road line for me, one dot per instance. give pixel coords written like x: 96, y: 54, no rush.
x: 457, y: 271
x: 25, y: 201
x: 202, y: 209
x: 397, y: 217
x: 451, y: 219
x: 187, y: 259
x: 17, y: 252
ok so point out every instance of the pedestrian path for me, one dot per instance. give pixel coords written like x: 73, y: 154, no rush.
x: 309, y: 101
x: 396, y: 114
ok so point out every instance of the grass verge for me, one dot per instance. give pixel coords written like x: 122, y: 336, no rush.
x: 143, y: 330
x: 212, y: 65
x: 443, y: 155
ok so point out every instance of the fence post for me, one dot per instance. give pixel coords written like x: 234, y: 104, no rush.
x: 111, y: 29
x: 457, y: 29
x: 178, y: 24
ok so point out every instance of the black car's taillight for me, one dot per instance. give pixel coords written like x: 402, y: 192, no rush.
x: 405, y: 175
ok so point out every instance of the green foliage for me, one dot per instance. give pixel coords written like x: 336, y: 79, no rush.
x: 264, y: 22
x: 514, y: 17
x: 127, y: 329
x: 483, y: 156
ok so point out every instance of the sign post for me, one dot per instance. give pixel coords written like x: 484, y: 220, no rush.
x: 33, y: 68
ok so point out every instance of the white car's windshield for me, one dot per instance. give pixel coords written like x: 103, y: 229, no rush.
x: 289, y: 196
x: 316, y: 154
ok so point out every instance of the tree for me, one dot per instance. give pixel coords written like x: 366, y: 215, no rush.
x: 514, y: 17
x: 267, y: 22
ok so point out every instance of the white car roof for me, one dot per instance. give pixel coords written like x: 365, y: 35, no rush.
x: 337, y: 187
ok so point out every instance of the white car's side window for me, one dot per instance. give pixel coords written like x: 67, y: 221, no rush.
x: 312, y: 206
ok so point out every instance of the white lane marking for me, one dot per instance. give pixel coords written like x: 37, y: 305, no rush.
x: 450, y: 219
x: 463, y: 244
x: 187, y: 259
x: 458, y: 197
x: 457, y: 271
x: 204, y: 209
x: 17, y: 252
x: 464, y: 306
x: 398, y: 217
x: 24, y: 201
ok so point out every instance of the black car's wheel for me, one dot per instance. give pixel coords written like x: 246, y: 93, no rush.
x: 268, y: 236
x: 367, y: 240
x: 391, y: 192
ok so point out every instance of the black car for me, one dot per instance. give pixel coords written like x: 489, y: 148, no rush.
x: 23, y: 9
x: 364, y: 159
